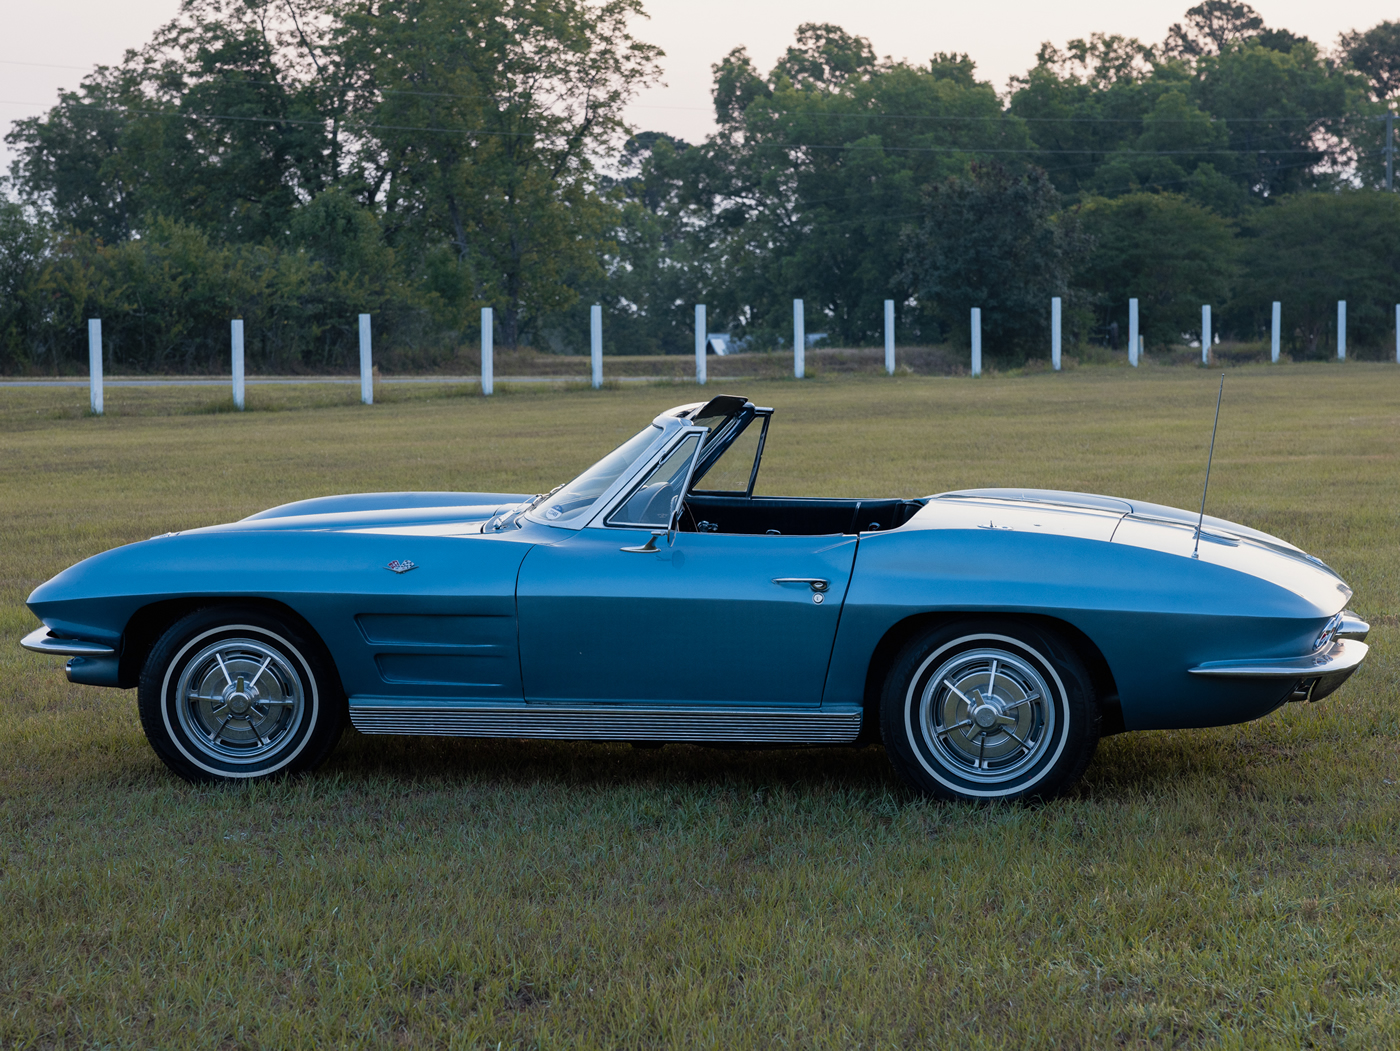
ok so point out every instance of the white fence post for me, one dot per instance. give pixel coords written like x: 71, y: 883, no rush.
x: 596, y: 325
x: 799, y: 339
x: 889, y: 336
x: 977, y: 341
x: 236, y: 336
x: 95, y: 362
x: 1205, y: 334
x: 701, y: 337
x: 488, y: 351
x: 1055, y: 333
x: 366, y: 363
x: 1341, y: 330
x: 1275, y: 331
x: 1133, y: 332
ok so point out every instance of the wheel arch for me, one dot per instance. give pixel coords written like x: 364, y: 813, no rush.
x: 894, y: 639
x: 145, y: 627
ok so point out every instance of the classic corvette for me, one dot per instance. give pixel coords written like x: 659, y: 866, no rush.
x: 987, y: 637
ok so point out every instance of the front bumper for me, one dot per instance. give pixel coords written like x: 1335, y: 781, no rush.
x: 90, y: 663
x: 1314, y: 676
x: 41, y: 640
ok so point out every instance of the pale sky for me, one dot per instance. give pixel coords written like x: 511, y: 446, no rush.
x: 1001, y: 36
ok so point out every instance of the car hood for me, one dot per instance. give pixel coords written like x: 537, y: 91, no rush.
x: 378, y: 511
x: 1137, y: 523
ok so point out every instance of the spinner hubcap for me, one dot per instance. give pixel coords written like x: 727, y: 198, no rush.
x: 987, y: 714
x: 239, y: 700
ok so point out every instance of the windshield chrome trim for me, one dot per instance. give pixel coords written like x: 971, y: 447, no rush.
x: 655, y: 461
x: 666, y: 425
x: 617, y: 495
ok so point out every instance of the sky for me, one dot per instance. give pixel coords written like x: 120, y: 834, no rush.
x: 48, y: 46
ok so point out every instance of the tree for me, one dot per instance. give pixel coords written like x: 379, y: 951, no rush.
x: 1085, y: 103
x: 994, y: 240
x: 1375, y: 55
x: 213, y: 121
x: 653, y: 279
x: 814, y: 171
x: 1169, y: 253
x: 1212, y: 27
x: 483, y: 120
x: 1285, y: 113
x: 72, y: 164
x: 1311, y: 250
x: 1226, y: 111
x: 24, y: 245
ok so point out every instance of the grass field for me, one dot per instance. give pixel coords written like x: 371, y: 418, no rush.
x: 1213, y: 888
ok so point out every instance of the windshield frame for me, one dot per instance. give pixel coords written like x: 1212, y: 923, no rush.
x: 665, y: 428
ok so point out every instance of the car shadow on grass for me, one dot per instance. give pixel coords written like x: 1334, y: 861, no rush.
x: 1128, y: 767
x: 607, y: 764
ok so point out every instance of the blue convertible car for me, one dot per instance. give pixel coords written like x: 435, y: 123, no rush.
x: 988, y: 637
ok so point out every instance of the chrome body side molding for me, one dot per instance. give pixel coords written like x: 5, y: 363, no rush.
x: 1316, y: 675
x: 613, y: 722
x: 41, y: 640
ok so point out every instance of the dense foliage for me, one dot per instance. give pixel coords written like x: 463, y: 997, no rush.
x: 298, y: 162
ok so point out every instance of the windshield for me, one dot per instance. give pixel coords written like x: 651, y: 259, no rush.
x: 576, y: 496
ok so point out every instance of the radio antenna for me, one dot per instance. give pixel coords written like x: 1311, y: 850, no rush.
x: 1196, y: 551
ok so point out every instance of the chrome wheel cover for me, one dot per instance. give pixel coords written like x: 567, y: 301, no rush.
x: 239, y: 700
x: 987, y: 715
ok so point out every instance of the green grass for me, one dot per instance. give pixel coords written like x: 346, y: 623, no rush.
x: 1209, y: 888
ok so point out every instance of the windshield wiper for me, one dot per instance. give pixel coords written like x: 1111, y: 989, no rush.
x: 545, y: 496
x: 516, y: 515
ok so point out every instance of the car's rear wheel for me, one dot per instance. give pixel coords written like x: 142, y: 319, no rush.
x: 233, y: 693
x: 989, y: 710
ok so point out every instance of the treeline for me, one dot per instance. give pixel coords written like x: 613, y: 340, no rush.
x: 298, y: 162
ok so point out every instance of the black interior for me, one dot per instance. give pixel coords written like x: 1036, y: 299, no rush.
x: 793, y: 515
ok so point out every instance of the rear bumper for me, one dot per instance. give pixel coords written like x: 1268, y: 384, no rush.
x: 1314, y: 676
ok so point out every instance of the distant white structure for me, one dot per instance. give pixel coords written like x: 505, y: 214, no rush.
x: 95, y: 362
x: 977, y: 341
x: 799, y: 339
x: 1133, y: 332
x: 595, y: 325
x: 366, y: 363
x: 717, y: 343
x: 488, y: 350
x: 889, y: 337
x: 236, y: 339
x: 702, y: 345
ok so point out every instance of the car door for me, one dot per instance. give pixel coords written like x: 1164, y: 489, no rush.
x: 713, y: 619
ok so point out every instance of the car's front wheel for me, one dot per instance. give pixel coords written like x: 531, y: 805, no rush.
x: 233, y: 693
x: 989, y: 710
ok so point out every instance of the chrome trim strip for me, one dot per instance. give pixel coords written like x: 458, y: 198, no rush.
x: 1342, y: 655
x: 614, y: 723
x: 1352, y: 626
x: 41, y: 640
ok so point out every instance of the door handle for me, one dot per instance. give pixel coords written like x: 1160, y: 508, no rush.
x: 817, y: 584
x: 649, y: 548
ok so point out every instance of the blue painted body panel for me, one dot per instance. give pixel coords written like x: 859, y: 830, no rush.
x: 445, y: 630
x: 700, y: 622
